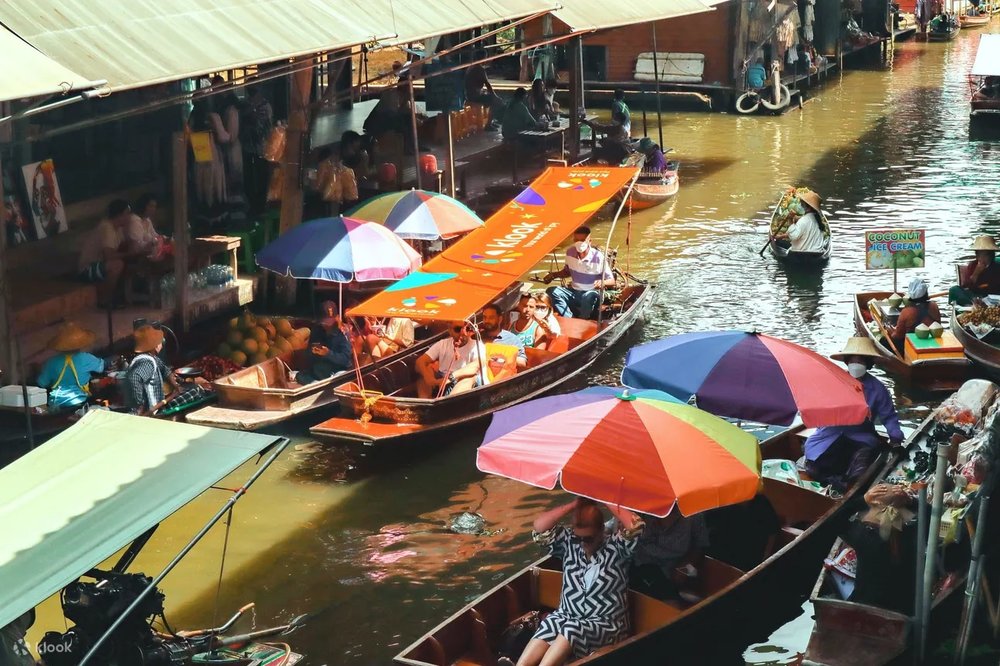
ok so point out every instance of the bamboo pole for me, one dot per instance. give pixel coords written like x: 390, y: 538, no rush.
x: 918, y: 587
x: 972, y: 583
x: 930, y: 563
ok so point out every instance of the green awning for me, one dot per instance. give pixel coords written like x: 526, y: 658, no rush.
x: 77, y: 499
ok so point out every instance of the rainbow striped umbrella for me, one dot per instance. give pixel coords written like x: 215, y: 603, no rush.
x: 339, y: 249
x: 643, y: 450
x: 419, y: 214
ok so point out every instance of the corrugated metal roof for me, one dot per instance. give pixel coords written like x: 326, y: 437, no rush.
x: 28, y: 73
x: 133, y: 44
x: 586, y: 15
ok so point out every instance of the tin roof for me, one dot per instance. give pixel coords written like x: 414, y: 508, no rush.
x: 586, y: 15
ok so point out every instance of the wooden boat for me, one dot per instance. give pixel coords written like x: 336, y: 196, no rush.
x: 982, y: 354
x: 396, y: 414
x: 945, y: 35
x: 851, y: 633
x: 966, y: 21
x: 984, y: 101
x: 729, y: 595
x: 781, y: 250
x: 265, y: 394
x: 937, y: 369
x: 654, y: 189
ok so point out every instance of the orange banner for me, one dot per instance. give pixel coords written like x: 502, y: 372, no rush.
x: 475, y: 270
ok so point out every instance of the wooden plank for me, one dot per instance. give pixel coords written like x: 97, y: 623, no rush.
x: 249, y: 419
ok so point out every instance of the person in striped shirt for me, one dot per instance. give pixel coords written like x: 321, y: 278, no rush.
x: 588, y: 272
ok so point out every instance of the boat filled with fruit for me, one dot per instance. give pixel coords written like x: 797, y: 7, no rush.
x: 978, y: 329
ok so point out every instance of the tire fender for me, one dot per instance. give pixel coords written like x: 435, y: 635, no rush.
x: 740, y: 100
x: 785, y: 97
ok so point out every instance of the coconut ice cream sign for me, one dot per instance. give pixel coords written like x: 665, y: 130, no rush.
x: 894, y: 248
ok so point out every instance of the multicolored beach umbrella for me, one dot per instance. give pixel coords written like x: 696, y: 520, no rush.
x: 643, y: 450
x: 748, y: 376
x: 340, y: 249
x: 419, y: 214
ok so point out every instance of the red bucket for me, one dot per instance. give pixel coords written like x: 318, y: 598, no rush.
x: 428, y: 163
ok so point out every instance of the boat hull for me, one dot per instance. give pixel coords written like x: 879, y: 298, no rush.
x: 649, y: 195
x: 932, y: 374
x: 942, y: 36
x: 395, y: 419
x: 784, y: 254
x: 973, y: 21
x: 983, y: 355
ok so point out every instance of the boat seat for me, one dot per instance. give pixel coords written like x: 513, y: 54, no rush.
x: 538, y: 356
x: 795, y: 505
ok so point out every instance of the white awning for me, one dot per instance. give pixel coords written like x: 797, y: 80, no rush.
x: 28, y: 73
x: 587, y: 15
x: 987, y: 57
x: 132, y: 44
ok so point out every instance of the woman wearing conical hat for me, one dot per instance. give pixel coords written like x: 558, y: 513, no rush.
x: 979, y: 277
x: 67, y: 375
x: 839, y: 455
x: 806, y: 233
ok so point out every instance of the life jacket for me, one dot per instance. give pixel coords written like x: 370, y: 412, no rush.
x: 501, y: 361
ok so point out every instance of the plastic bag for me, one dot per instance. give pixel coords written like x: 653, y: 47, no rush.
x: 331, y: 188
x: 274, y: 149
x: 965, y: 408
x: 350, y: 184
x: 276, y: 185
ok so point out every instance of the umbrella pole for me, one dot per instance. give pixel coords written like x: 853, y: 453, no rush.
x: 340, y: 300
x: 604, y: 264
x: 413, y: 126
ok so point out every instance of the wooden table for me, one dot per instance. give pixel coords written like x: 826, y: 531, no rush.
x: 543, y: 135
x: 220, y: 245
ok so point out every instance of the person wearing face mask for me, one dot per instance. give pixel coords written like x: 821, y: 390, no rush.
x: 593, y: 606
x: 588, y: 271
x: 502, y: 355
x: 441, y: 369
x: 839, y: 455
x: 921, y: 310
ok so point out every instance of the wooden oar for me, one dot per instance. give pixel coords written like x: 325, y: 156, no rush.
x: 885, y: 334
x: 761, y: 253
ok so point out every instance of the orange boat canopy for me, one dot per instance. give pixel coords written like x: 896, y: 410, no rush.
x: 461, y: 280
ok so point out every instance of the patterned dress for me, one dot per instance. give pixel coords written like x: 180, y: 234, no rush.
x: 593, y: 606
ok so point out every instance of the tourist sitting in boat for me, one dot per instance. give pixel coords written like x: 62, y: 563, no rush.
x: 538, y: 101
x: 388, y: 337
x: 664, y: 545
x: 593, y: 606
x: 979, y: 277
x: 147, y: 373
x: 921, y: 310
x: 806, y: 233
x: 531, y: 326
x: 615, y: 146
x: 588, y: 272
x: 620, y: 113
x: 67, y: 375
x: 447, y: 365
x: 332, y: 355
x: 517, y: 118
x: 656, y: 161
x: 839, y: 455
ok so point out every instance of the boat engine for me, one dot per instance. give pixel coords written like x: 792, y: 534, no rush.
x: 93, y: 608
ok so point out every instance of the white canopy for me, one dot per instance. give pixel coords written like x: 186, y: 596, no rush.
x: 987, y: 57
x: 586, y: 15
x: 28, y: 73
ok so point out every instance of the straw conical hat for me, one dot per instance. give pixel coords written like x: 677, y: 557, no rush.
x: 71, y: 337
x: 147, y: 338
x: 811, y: 199
x: 857, y: 346
x: 985, y: 243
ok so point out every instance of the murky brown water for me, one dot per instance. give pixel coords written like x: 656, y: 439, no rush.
x: 369, y: 551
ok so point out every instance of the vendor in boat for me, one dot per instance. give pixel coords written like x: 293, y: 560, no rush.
x: 979, y: 277
x: 615, y: 146
x: 531, y: 325
x: 67, y: 375
x: 448, y: 362
x: 586, y: 267
x: 656, y: 161
x: 839, y: 455
x: 147, y: 373
x: 593, y: 606
x: 331, y: 355
x: 13, y: 646
x: 665, y: 545
x: 921, y: 310
x: 806, y: 233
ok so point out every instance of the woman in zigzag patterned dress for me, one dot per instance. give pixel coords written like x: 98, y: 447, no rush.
x: 593, y: 607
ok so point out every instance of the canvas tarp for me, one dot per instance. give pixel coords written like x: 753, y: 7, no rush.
x: 28, y: 73
x: 472, y: 272
x: 80, y: 497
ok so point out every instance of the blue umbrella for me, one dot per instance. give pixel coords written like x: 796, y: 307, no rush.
x: 340, y: 249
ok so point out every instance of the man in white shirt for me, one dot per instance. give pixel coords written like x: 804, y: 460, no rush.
x: 446, y: 359
x: 588, y: 272
x: 805, y: 234
x: 102, y: 256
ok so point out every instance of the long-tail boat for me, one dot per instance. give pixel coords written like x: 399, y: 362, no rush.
x: 937, y: 364
x: 480, y: 268
x: 794, y: 525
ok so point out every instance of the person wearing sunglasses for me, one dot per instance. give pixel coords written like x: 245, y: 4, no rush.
x: 593, y: 607
x: 448, y: 362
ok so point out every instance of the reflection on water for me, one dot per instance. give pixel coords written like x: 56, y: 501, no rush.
x: 369, y: 549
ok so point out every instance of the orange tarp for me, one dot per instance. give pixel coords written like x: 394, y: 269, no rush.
x: 468, y: 275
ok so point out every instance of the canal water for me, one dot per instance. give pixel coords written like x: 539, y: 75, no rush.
x: 365, y: 545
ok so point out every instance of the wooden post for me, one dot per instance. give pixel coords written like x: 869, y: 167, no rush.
x: 739, y: 41
x: 182, y: 240
x: 413, y: 127
x: 451, y: 158
x: 656, y: 76
x: 299, y: 93
x: 575, y: 76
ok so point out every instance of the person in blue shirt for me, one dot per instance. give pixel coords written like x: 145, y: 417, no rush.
x: 756, y: 76
x: 330, y: 357
x: 839, y: 455
x: 67, y: 375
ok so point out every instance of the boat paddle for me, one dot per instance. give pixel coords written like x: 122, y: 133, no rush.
x: 761, y: 253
